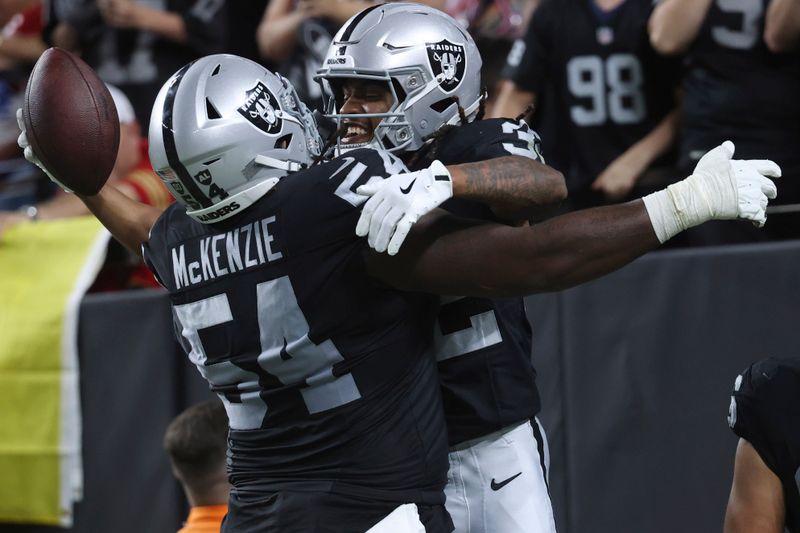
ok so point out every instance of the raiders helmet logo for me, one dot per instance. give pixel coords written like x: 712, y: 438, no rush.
x: 448, y: 62
x: 262, y: 110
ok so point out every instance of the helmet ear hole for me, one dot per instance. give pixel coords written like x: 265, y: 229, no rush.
x: 284, y: 142
x: 441, y: 106
x: 398, y: 89
x: 211, y: 111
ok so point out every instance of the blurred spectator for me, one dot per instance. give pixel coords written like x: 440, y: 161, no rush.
x: 197, y: 442
x: 137, y: 44
x: 742, y: 84
x: 21, y: 45
x: 244, y: 17
x: 496, y: 19
x: 21, y: 38
x: 609, y: 115
x: 133, y: 176
x: 294, y: 36
x: 494, y: 25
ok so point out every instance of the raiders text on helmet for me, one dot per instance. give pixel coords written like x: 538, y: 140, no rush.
x: 223, y: 131
x: 427, y: 60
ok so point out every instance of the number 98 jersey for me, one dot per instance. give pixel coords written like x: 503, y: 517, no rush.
x: 325, y: 373
x: 609, y: 86
x: 765, y: 411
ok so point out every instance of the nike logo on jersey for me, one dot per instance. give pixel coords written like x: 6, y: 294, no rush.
x: 407, y: 188
x: 498, y: 486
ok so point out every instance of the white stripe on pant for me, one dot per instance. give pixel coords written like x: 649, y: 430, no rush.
x: 497, y: 484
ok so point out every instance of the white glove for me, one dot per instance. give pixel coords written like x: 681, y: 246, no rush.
x: 719, y: 188
x: 397, y: 202
x: 23, y: 143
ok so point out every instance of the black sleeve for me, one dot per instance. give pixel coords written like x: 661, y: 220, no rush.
x: 157, y: 262
x: 482, y: 140
x: 527, y: 64
x: 331, y: 205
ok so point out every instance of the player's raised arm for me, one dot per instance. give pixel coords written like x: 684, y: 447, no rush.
x: 674, y: 24
x: 564, y: 251
x: 128, y: 221
x: 782, y: 26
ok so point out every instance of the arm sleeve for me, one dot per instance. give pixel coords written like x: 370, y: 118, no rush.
x: 527, y: 62
x: 482, y: 140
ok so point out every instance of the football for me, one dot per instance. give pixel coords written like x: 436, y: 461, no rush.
x: 71, y: 121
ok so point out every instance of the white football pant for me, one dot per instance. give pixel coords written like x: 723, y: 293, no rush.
x: 404, y: 519
x: 498, y: 483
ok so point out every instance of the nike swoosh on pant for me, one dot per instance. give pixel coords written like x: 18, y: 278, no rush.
x: 498, y: 486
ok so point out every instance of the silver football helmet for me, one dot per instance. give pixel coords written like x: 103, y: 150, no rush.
x: 223, y: 131
x: 427, y: 61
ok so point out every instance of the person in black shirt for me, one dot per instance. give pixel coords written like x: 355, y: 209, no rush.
x: 742, y: 82
x: 137, y: 45
x: 610, y: 96
x: 318, y: 347
x: 765, y: 414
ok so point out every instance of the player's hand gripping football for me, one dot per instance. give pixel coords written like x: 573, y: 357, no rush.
x: 397, y: 202
x: 23, y: 143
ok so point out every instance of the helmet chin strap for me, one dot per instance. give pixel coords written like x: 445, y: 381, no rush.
x: 280, y: 164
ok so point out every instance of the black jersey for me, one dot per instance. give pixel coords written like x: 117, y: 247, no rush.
x: 765, y: 411
x: 326, y: 373
x: 609, y: 86
x: 137, y: 61
x: 484, y: 345
x: 736, y: 89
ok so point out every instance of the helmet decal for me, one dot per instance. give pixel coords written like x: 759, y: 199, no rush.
x: 423, y: 55
x: 260, y: 109
x: 448, y: 63
x: 217, y: 166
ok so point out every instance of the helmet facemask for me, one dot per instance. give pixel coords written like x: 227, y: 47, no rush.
x: 430, y: 65
x: 392, y: 133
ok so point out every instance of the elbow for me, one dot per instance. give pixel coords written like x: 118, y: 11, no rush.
x: 269, y: 47
x: 664, y: 43
x: 778, y: 43
x: 554, y: 189
x: 559, y: 189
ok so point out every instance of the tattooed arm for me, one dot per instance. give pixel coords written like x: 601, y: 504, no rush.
x: 511, y: 186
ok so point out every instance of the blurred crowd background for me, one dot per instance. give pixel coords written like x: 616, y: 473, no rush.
x: 626, y: 94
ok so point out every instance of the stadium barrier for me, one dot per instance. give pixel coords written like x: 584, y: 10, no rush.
x: 635, y: 372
